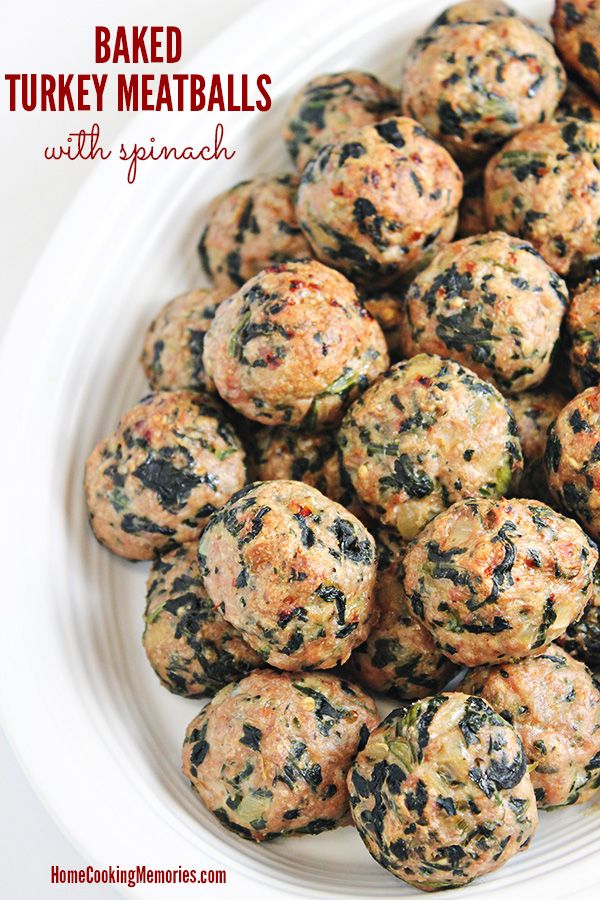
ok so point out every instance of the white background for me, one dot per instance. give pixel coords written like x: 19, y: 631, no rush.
x: 58, y: 37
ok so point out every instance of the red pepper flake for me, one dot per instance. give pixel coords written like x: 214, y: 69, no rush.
x: 303, y: 511
x: 272, y: 361
x: 295, y: 285
x: 416, y: 236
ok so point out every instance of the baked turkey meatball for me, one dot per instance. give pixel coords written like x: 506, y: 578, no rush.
x: 270, y: 754
x: 554, y: 705
x: 154, y: 481
x: 330, y: 104
x: 473, y: 12
x: 192, y: 649
x: 399, y: 657
x: 385, y: 309
x: 534, y: 411
x: 378, y: 202
x: 249, y: 227
x: 491, y: 303
x: 426, y: 434
x: 441, y: 794
x: 544, y: 186
x: 285, y: 454
x: 572, y: 459
x: 471, y: 212
x: 293, y: 571
x: 577, y: 104
x: 294, y: 346
x: 582, y: 327
x: 174, y: 342
x: 473, y: 84
x: 495, y: 580
x: 576, y: 25
x: 582, y: 638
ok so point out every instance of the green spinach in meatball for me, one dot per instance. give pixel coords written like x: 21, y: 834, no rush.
x: 441, y: 794
x: 428, y: 433
x: 377, y: 202
x: 554, y: 704
x: 293, y: 571
x: 192, y: 649
x: 496, y: 580
x: 270, y: 755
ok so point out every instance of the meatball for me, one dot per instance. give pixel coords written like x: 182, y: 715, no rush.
x: 577, y: 104
x: 191, y: 648
x: 294, y: 346
x: 385, y: 309
x: 543, y: 186
x: 441, y: 793
x: 471, y: 212
x: 554, y: 706
x: 473, y: 12
x: 293, y: 571
x: 576, y: 25
x: 582, y: 326
x: 270, y: 754
x: 378, y: 202
x: 174, y: 342
x: 582, y: 638
x: 473, y: 84
x: 491, y: 303
x: 399, y: 657
x: 249, y: 227
x: 426, y: 434
x: 572, y: 459
x: 282, y: 453
x: 154, y: 481
x: 330, y: 104
x: 495, y: 580
x: 534, y: 411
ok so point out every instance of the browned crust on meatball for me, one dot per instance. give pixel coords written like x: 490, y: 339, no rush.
x: 554, y: 704
x: 270, y: 754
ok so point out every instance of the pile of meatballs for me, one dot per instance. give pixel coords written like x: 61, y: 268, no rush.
x: 370, y: 458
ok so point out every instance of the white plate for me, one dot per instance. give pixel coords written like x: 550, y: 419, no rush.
x: 97, y: 735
